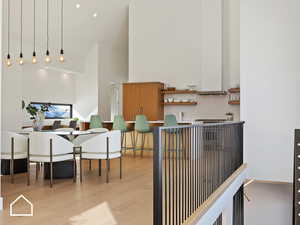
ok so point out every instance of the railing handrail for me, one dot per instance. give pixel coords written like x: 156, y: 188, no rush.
x: 200, y: 125
x: 213, y: 198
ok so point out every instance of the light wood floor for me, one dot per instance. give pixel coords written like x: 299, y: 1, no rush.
x: 125, y: 202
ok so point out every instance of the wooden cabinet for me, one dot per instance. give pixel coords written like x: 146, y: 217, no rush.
x: 143, y: 98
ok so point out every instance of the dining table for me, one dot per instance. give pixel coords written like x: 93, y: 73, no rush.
x: 63, y: 169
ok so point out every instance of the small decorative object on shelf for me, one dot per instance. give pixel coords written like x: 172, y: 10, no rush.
x: 229, y: 116
x: 234, y: 96
x: 37, y: 115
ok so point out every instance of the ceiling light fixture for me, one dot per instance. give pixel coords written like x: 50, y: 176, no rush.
x: 34, y: 60
x: 61, y: 57
x: 95, y: 15
x: 8, y: 60
x: 21, y: 60
x: 47, y: 59
x: 77, y: 6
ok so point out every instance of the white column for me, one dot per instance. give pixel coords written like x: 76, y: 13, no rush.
x: 227, y: 214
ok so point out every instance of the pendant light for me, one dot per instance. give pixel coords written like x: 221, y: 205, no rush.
x: 21, y: 60
x: 61, y: 57
x: 8, y: 59
x: 47, y: 59
x: 34, y: 60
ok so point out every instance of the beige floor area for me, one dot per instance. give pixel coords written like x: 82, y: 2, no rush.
x: 125, y: 202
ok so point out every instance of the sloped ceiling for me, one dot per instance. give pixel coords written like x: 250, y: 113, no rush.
x: 81, y: 29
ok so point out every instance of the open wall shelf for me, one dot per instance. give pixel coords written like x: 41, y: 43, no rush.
x: 234, y: 102
x: 180, y: 103
x: 179, y: 92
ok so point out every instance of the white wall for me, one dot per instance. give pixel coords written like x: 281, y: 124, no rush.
x: 31, y: 83
x: 113, y: 66
x: 178, y: 45
x: 153, y: 58
x: 86, y: 101
x: 270, y: 34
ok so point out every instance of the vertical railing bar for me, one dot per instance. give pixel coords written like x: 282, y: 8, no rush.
x: 180, y: 176
x: 157, y: 178
x: 176, y: 173
x: 166, y: 180
x: 169, y: 176
x: 173, y: 178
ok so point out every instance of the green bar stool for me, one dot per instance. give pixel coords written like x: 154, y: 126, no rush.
x: 95, y: 122
x: 141, y: 127
x: 170, y: 120
x: 120, y: 124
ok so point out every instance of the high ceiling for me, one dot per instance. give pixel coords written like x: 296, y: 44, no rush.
x: 82, y: 28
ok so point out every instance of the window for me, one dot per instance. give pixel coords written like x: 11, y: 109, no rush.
x: 56, y: 110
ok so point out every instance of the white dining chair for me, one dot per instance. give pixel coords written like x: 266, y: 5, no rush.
x: 98, y: 130
x: 27, y: 129
x: 105, y: 146
x: 45, y: 147
x: 65, y: 129
x: 14, y: 147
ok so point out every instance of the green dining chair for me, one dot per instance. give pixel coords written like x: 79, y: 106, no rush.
x: 120, y: 124
x: 170, y: 120
x: 142, y: 128
x: 95, y: 122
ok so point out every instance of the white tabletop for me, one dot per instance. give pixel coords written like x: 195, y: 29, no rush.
x: 62, y: 133
x: 152, y: 122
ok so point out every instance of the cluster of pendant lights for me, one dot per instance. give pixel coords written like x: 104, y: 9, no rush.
x: 34, y: 56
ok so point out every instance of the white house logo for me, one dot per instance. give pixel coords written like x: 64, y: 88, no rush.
x: 20, y: 198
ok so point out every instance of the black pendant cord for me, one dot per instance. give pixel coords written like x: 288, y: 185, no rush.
x: 34, y: 53
x: 8, y: 29
x: 47, y: 53
x: 62, y: 26
x: 21, y: 41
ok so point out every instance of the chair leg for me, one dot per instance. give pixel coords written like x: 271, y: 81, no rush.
x: 122, y: 139
x: 143, y: 144
x: 74, y: 166
x: 51, y: 174
x: 80, y: 164
x: 121, y: 167
x: 125, y: 134
x: 100, y: 166
x: 37, y: 170
x: 107, y: 170
x: 28, y: 172
x: 28, y: 162
x: 135, y: 144
x: 132, y: 139
x: 11, y: 165
x: 12, y: 160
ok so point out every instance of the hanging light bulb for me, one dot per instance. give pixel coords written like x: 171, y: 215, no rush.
x: 8, y: 61
x: 21, y: 60
x: 34, y: 60
x: 61, y: 57
x: 47, y: 59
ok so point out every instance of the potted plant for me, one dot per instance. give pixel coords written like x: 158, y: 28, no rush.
x: 37, y: 115
x: 229, y: 116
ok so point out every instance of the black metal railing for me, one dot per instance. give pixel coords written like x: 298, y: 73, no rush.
x: 190, y: 163
x: 296, y: 194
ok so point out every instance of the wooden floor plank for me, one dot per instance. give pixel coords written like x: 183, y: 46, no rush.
x: 125, y: 202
